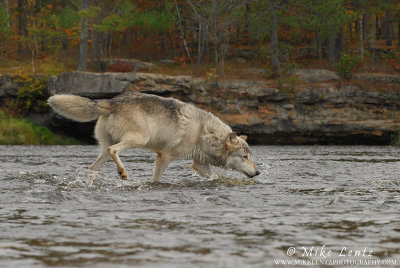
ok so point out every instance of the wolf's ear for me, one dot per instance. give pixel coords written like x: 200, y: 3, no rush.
x: 243, y: 137
x: 232, y: 136
x: 232, y: 141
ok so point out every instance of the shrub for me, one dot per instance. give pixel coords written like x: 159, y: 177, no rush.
x: 211, y: 75
x: 347, y: 65
x: 120, y: 67
x: 395, y: 138
x: 32, y: 92
x: 18, y: 131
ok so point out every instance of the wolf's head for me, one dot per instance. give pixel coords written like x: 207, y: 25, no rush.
x: 239, y: 155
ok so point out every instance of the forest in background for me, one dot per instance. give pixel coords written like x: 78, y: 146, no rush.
x: 62, y: 35
x: 218, y: 40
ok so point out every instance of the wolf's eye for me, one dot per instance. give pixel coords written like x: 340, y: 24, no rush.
x: 246, y: 157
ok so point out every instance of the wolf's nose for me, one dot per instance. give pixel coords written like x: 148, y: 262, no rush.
x: 257, y: 173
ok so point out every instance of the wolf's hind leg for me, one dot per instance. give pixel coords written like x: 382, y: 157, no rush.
x: 105, y: 140
x: 103, y: 157
x: 162, y: 161
x: 129, y: 141
x: 204, y: 170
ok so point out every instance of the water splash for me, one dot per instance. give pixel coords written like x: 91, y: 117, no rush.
x: 86, y: 178
x: 264, y: 169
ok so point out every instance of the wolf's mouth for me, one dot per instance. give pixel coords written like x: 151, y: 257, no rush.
x: 251, y: 175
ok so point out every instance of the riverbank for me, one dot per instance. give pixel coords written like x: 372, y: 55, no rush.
x: 22, y: 131
x: 312, y: 106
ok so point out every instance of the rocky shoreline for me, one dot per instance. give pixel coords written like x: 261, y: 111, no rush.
x: 321, y: 109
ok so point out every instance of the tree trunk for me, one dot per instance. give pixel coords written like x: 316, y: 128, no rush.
x: 83, y: 46
x: 351, y: 30
x: 399, y: 31
x: 172, y: 46
x: 339, y: 42
x: 318, y: 45
x: 361, y: 37
x: 182, y: 32
x: 97, y: 44
x: 224, y: 49
x: 199, y: 42
x: 96, y: 51
x: 109, y: 45
x: 367, y: 29
x: 378, y: 33
x: 6, y: 7
x: 22, y: 31
x: 332, y: 47
x: 246, y: 25
x: 389, y: 31
x: 274, y: 40
x: 216, y: 41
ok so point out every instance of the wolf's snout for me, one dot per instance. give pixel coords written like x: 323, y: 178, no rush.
x: 252, y: 175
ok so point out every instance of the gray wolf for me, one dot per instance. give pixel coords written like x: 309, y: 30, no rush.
x: 167, y: 126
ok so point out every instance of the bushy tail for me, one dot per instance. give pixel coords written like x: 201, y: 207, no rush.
x: 78, y: 108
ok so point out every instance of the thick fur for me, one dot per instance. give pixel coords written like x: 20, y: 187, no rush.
x: 169, y: 127
x: 78, y: 108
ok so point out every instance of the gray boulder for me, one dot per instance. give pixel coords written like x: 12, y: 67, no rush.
x: 87, y: 84
x: 316, y: 75
x: 383, y: 78
x: 8, y: 86
x: 136, y: 65
x: 168, y: 62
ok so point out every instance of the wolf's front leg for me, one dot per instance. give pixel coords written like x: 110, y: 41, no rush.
x: 120, y: 167
x: 103, y: 157
x: 162, y: 161
x: 204, y: 170
x: 130, y: 140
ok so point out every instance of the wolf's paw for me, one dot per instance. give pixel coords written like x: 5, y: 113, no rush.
x: 122, y: 174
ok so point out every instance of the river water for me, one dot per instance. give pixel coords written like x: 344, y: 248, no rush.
x: 311, y: 203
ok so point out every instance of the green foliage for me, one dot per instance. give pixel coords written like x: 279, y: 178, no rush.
x: 395, y: 138
x: 324, y: 17
x: 90, y: 12
x: 157, y: 22
x: 68, y: 17
x: 293, y: 81
x: 5, y: 30
x: 304, y: 27
x: 48, y: 39
x: 253, y: 19
x: 32, y: 92
x: 19, y: 131
x: 52, y: 66
x: 45, y: 33
x: 394, y: 54
x: 289, y: 85
x: 148, y: 21
x: 289, y: 66
x: 111, y: 23
x: 211, y: 76
x: 346, y: 65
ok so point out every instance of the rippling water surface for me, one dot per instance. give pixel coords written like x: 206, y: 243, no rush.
x: 52, y: 213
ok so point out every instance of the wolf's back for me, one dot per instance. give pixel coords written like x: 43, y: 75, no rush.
x: 78, y: 108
